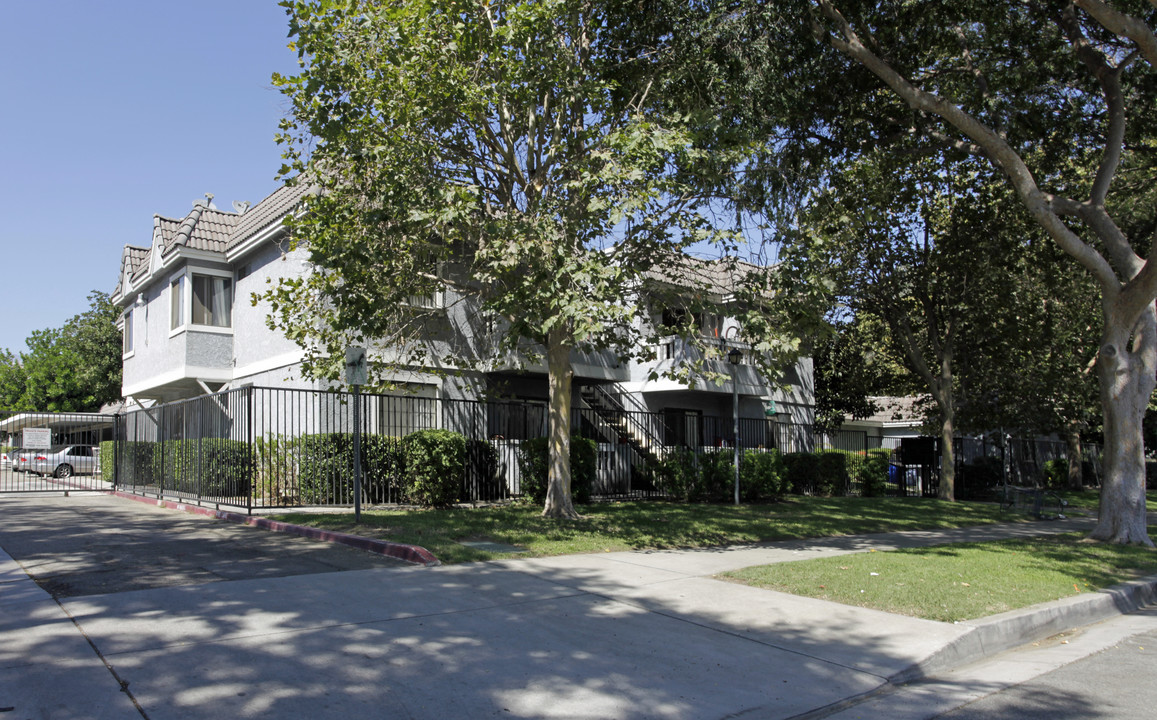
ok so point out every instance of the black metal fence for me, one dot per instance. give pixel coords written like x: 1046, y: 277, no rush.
x: 51, y: 452
x: 271, y: 447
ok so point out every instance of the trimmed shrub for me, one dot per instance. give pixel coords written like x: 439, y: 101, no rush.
x: 761, y: 476
x: 108, y: 461
x: 802, y: 471
x: 483, y: 479
x: 873, y: 472
x: 832, y: 469
x: 435, y: 465
x: 325, y: 469
x: 716, y: 477
x: 140, y: 462
x: 677, y: 474
x: 211, y: 467
x: 533, y: 468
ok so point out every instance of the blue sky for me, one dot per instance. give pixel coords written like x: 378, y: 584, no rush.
x: 113, y: 112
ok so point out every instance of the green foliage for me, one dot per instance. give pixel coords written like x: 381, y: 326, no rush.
x: 210, y: 467
x: 74, y: 368
x: 533, y: 464
x: 108, y: 461
x: 493, y: 153
x: 140, y: 463
x: 716, y: 477
x: 761, y: 476
x: 325, y: 467
x: 802, y: 471
x: 872, y: 471
x: 979, y: 479
x: 678, y: 473
x: 1055, y: 473
x: 832, y: 472
x: 435, y: 465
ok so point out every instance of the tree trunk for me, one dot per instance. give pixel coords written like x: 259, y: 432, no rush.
x: 1076, y: 469
x: 560, y: 373
x: 1127, y: 381
x: 947, y: 454
x: 945, y: 397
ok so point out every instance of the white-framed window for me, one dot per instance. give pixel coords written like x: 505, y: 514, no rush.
x: 212, y: 304
x: 127, y: 333
x: 177, y: 302
x: 201, y: 299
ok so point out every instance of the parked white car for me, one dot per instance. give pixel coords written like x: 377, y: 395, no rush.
x: 61, y: 461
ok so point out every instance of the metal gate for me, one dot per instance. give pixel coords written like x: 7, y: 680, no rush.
x: 54, y: 452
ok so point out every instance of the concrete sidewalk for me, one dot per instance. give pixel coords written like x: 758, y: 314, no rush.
x: 615, y: 635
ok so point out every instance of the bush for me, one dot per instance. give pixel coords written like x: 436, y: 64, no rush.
x: 211, y: 467
x: 832, y: 468
x: 677, y: 474
x: 140, y: 462
x: 1055, y: 473
x: 801, y: 472
x: 108, y: 461
x: 716, y: 477
x: 533, y: 468
x: 325, y: 468
x: 483, y: 479
x: 873, y: 472
x: 435, y: 465
x: 761, y: 476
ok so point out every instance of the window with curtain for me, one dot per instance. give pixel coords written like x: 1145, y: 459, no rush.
x: 177, y: 303
x: 212, y: 301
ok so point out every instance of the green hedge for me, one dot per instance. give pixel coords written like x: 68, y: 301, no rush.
x: 677, y: 474
x: 325, y: 468
x: 873, y: 472
x: 211, y: 467
x: 108, y: 461
x: 762, y: 476
x: 435, y: 465
x: 533, y: 468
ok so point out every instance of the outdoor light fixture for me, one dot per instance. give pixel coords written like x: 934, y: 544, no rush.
x: 734, y: 355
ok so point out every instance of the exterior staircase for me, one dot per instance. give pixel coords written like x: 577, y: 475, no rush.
x: 621, y: 417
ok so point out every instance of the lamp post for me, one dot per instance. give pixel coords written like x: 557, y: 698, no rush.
x: 734, y: 356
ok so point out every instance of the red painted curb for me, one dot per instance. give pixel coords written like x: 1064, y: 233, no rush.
x: 409, y: 553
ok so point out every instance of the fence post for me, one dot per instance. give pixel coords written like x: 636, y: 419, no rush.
x: 116, y: 443
x: 251, y: 471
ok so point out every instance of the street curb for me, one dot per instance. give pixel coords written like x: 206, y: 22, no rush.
x: 997, y: 633
x: 413, y: 554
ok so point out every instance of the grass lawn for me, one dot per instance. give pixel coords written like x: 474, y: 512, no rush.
x: 642, y: 525
x: 963, y: 581
x: 1090, y: 499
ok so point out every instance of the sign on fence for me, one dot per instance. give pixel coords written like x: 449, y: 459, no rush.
x: 36, y: 439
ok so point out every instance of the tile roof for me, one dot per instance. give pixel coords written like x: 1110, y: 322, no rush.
x: 716, y: 276
x: 210, y: 229
x: 265, y: 213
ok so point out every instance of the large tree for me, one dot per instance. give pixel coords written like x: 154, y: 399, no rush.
x: 919, y: 244
x: 507, y: 154
x: 76, y: 367
x: 1055, y: 95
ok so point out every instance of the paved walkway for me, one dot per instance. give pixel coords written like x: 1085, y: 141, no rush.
x: 614, y: 635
